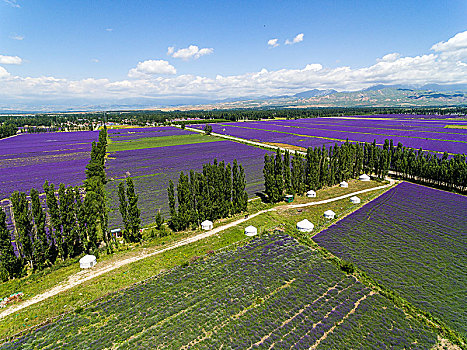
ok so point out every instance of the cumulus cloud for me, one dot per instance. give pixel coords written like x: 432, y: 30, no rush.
x: 3, y: 72
x: 191, y: 52
x: 157, y: 78
x: 17, y: 37
x: 10, y: 60
x: 95, y: 60
x: 273, y: 42
x: 12, y: 3
x: 298, y: 38
x: 151, y: 67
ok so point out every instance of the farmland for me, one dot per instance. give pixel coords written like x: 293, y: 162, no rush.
x: 27, y: 160
x: 278, y: 294
x: 411, y: 239
x: 431, y: 135
x: 153, y: 162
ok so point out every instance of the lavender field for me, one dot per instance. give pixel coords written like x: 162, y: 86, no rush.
x: 413, y: 240
x: 278, y: 295
x: 27, y: 160
x: 153, y: 168
x: 431, y: 135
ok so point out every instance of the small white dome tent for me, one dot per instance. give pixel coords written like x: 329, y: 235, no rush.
x: 329, y: 214
x: 305, y: 226
x: 251, y: 231
x: 344, y: 184
x: 355, y: 200
x: 206, y: 225
x: 311, y: 194
x: 87, y: 261
x: 364, y: 177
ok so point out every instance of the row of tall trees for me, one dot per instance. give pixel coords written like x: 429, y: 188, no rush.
x: 79, y: 120
x: 129, y: 211
x: 63, y: 225
x: 216, y: 192
x: 7, y: 130
x: 322, y: 166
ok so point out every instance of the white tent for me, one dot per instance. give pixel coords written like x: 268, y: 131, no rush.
x: 305, y: 226
x: 329, y: 214
x: 251, y: 231
x: 206, y: 225
x: 87, y: 261
x: 355, y: 200
x: 364, y: 177
x: 311, y: 194
x: 344, y: 184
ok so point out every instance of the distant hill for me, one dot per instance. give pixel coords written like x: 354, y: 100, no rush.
x: 374, y: 96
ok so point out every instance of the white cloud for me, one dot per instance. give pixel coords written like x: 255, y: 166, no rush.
x: 3, y: 72
x: 298, y: 38
x: 95, y: 60
x: 12, y: 3
x: 17, y: 37
x: 457, y: 42
x: 151, y: 67
x: 273, y: 42
x: 157, y: 78
x: 10, y: 60
x: 191, y: 51
x: 109, y: 29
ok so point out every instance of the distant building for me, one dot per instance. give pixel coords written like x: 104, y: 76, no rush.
x: 251, y: 231
x: 364, y: 177
x: 311, y: 194
x: 344, y: 184
x: 116, y: 232
x: 329, y: 214
x: 305, y: 226
x: 355, y: 200
x: 87, y: 261
x: 207, y: 225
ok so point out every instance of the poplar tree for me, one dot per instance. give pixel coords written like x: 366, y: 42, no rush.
x: 24, y: 227
x: 134, y: 220
x: 10, y: 265
x: 123, y: 208
x: 287, y: 174
x: 278, y: 176
x: 173, y: 212
x: 40, y: 244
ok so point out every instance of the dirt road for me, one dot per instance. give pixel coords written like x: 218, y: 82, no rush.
x: 100, y: 269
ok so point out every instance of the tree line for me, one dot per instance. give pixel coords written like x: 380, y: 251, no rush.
x: 216, y: 192
x: 66, y: 225
x: 78, y: 120
x: 322, y: 166
x: 7, y: 130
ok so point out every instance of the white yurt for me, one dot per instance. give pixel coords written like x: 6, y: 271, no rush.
x: 355, y: 200
x: 329, y: 214
x: 311, y: 194
x: 251, y: 231
x: 87, y: 261
x: 206, y: 225
x: 364, y: 177
x: 344, y: 184
x: 305, y: 226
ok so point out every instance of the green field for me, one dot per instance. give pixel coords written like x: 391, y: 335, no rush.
x: 142, y: 269
x: 162, y: 141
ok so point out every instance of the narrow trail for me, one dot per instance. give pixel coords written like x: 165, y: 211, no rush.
x: 86, y: 275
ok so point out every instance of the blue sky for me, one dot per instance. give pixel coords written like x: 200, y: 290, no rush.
x: 113, y: 49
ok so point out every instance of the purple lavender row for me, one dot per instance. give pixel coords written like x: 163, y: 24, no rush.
x: 433, y: 133
x: 139, y: 133
x: 410, y: 219
x: 429, y: 145
x: 153, y: 168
